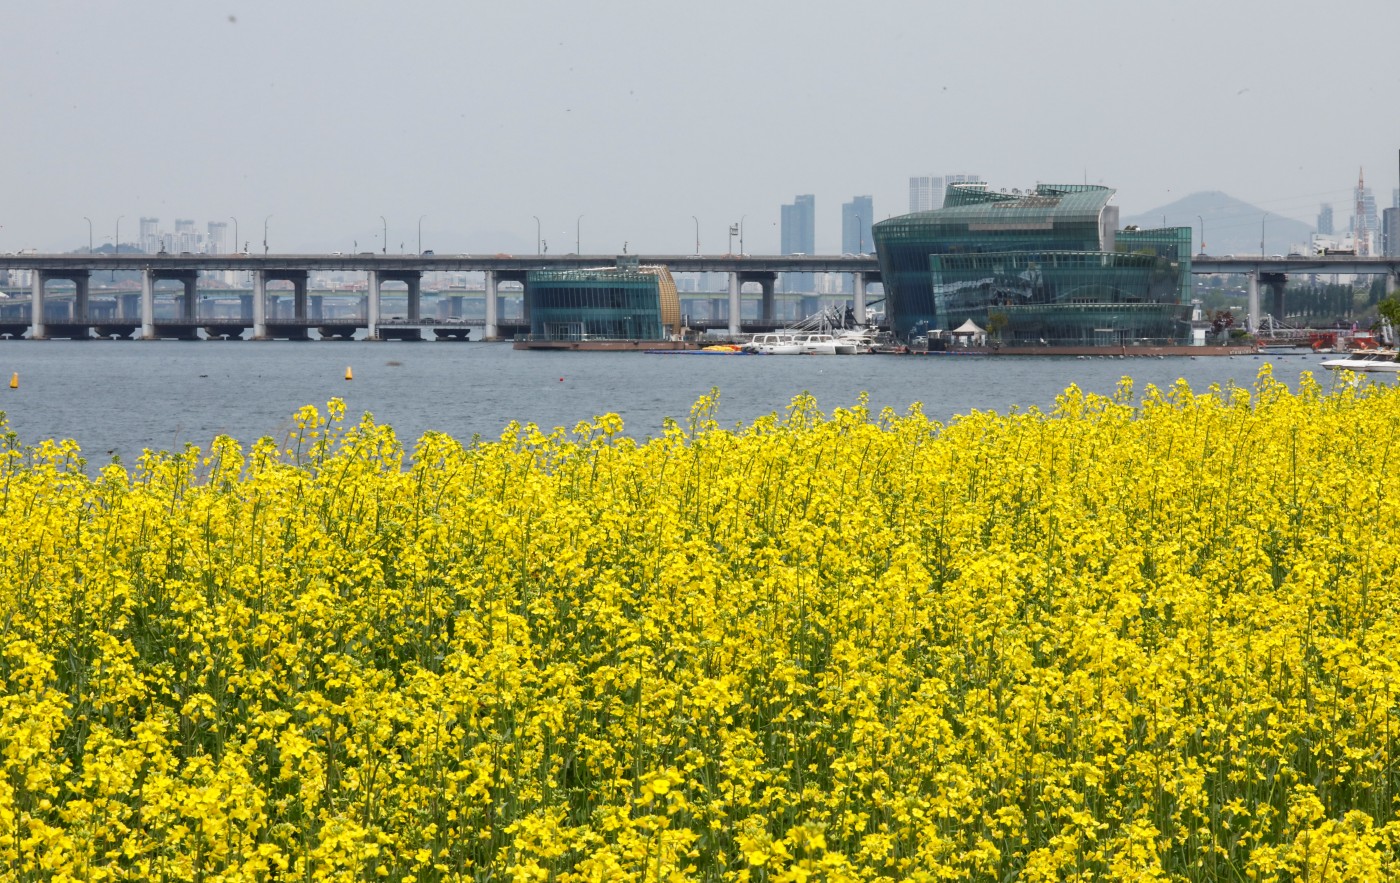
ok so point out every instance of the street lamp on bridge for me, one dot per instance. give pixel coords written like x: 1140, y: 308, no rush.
x: 578, y: 226
x: 89, y: 220
x: 537, y: 233
x: 235, y: 232
x: 386, y: 234
x: 1203, y: 233
x: 420, y: 233
x: 117, y: 241
x: 697, y: 233
x: 265, y: 220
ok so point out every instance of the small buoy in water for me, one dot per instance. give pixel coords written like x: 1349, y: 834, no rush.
x: 561, y: 380
x: 14, y: 380
x: 349, y: 375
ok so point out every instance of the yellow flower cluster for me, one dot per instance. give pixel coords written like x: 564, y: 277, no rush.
x: 1133, y: 637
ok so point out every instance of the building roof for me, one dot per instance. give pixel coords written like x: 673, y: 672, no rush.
x: 980, y: 210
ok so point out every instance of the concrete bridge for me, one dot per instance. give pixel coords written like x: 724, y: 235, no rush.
x: 498, y: 268
x: 1273, y: 272
x: 379, y: 268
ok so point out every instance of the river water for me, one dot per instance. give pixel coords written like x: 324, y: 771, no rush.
x: 120, y: 397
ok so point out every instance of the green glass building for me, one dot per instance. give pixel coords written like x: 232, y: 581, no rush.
x: 1044, y: 266
x: 627, y: 302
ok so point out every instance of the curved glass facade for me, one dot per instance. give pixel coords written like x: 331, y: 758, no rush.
x: 622, y: 303
x: 1046, y: 266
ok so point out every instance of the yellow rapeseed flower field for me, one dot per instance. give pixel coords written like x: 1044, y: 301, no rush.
x: 1149, y: 636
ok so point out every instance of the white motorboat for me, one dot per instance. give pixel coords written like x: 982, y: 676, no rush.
x: 817, y: 343
x: 855, y: 340
x: 1376, y: 361
x: 774, y: 343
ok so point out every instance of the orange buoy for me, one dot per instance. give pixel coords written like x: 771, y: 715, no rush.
x: 14, y: 380
x: 349, y: 375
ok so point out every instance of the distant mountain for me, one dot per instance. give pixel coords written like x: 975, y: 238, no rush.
x: 1231, y: 225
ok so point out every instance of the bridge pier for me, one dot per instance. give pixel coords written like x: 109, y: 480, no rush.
x: 1251, y: 318
x: 372, y: 308
x: 495, y: 301
x: 189, y: 302
x: 78, y: 314
x: 128, y: 307
x: 148, y: 304
x: 264, y: 316
x: 493, y: 305
x: 259, y: 305
x: 767, y: 285
x: 735, y: 306
x: 299, y: 312
x: 36, y: 309
x: 858, y: 307
x: 1276, y: 283
x: 414, y: 280
x: 80, y: 301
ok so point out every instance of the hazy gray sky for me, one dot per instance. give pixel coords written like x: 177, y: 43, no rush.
x: 477, y: 116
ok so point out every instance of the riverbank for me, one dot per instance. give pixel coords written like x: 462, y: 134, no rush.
x: 1100, y: 351
x: 1061, y: 351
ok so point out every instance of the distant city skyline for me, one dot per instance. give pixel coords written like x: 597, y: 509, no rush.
x: 150, y: 234
x: 797, y: 225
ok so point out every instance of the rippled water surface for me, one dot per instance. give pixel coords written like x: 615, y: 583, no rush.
x: 120, y: 397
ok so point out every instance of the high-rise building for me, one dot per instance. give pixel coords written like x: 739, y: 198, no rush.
x: 1368, y: 206
x: 1324, y: 220
x: 799, y: 225
x: 186, y: 238
x: 856, y: 218
x: 1365, y: 223
x: 925, y: 193
x: 799, y: 236
x: 149, y: 237
x: 218, y: 238
x: 1390, y: 232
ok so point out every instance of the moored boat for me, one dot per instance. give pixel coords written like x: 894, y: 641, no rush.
x: 818, y: 343
x: 1374, y: 361
x: 826, y: 333
x: 773, y: 343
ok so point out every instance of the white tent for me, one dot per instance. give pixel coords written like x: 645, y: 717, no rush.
x: 969, y: 333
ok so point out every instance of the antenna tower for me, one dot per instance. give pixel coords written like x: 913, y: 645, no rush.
x: 1362, y: 235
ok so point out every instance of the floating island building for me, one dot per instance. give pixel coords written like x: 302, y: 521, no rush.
x: 1044, y: 266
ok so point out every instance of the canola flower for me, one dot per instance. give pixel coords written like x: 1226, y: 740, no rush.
x: 1115, y: 640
